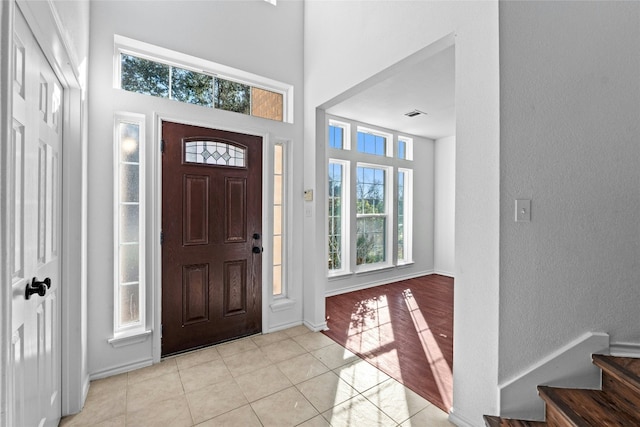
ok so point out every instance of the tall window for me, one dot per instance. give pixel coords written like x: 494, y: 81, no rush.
x: 371, y: 214
x: 404, y: 215
x: 278, y: 219
x: 129, y: 292
x: 336, y: 204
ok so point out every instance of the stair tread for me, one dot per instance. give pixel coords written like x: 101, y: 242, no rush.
x: 590, y: 407
x: 493, y: 421
x: 630, y: 366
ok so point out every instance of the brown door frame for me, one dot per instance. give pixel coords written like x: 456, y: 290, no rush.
x: 156, y: 249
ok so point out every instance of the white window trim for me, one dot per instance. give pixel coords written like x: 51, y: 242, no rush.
x: 345, y: 223
x: 389, y: 146
x: 170, y: 57
x: 389, y: 214
x: 346, y: 132
x: 408, y: 147
x: 125, y: 333
x: 408, y: 217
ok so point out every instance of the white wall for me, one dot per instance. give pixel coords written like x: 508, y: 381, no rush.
x: 253, y: 36
x: 569, y: 142
x: 423, y: 201
x: 367, y: 37
x: 445, y: 206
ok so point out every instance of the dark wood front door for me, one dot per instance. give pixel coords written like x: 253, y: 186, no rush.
x: 211, y: 223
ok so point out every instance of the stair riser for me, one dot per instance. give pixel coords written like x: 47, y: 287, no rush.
x: 556, y: 419
x: 628, y: 397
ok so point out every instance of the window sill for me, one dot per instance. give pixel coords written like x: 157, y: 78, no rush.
x: 282, y: 304
x: 340, y: 275
x: 373, y: 270
x: 405, y: 264
x: 129, y: 338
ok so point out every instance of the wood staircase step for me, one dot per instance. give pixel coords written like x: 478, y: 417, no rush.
x: 492, y: 421
x: 587, y: 408
x: 624, y: 370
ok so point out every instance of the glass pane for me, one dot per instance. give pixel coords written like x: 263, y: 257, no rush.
x: 277, y: 220
x: 372, y: 144
x: 129, y: 183
x: 401, y: 215
x: 232, y: 96
x: 191, y: 87
x: 277, y: 189
x: 277, y: 159
x: 277, y: 280
x: 402, y: 149
x: 129, y: 304
x: 214, y: 153
x: 335, y: 216
x: 129, y: 142
x: 129, y: 223
x: 336, y: 137
x: 129, y: 265
x: 144, y: 76
x: 370, y: 192
x: 277, y: 250
x: 266, y: 104
x: 370, y: 243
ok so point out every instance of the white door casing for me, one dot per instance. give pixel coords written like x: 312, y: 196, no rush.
x: 35, y: 230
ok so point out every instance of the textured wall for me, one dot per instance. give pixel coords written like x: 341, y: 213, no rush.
x: 570, y: 103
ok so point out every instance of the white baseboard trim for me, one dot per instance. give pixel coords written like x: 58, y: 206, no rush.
x: 444, y: 273
x: 569, y: 366
x: 120, y: 369
x: 283, y: 326
x: 373, y: 284
x: 458, y: 420
x: 316, y: 327
x: 625, y: 349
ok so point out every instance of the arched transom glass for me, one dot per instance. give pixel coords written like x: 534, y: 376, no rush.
x: 214, y: 153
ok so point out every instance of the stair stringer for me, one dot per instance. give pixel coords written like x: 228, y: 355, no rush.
x: 569, y: 366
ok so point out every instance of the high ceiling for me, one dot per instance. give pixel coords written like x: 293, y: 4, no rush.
x: 424, y: 84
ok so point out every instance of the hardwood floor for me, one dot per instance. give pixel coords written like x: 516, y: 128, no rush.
x: 405, y: 329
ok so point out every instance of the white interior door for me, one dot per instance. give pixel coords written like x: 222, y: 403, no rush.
x: 36, y: 147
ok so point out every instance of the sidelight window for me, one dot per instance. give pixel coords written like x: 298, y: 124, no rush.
x: 129, y: 292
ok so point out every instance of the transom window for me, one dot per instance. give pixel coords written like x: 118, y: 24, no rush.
x: 151, y: 70
x: 214, y: 153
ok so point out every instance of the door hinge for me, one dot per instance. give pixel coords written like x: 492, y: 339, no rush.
x: 161, y: 330
x: 162, y: 145
x: 161, y: 237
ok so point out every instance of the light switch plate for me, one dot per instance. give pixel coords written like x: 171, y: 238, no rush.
x: 523, y: 210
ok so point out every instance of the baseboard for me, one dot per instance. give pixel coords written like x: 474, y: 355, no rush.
x: 316, y: 327
x: 458, y: 420
x: 625, y: 349
x: 444, y: 273
x: 373, y: 284
x: 283, y: 326
x: 116, y: 370
x: 569, y: 366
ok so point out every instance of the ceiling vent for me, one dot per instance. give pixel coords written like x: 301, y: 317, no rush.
x: 415, y: 113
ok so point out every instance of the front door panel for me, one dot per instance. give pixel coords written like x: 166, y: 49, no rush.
x: 211, y: 221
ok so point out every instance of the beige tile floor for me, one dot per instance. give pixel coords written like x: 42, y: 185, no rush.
x: 287, y: 378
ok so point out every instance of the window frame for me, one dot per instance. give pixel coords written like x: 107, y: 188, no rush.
x: 389, y: 141
x: 344, y: 219
x: 392, y: 165
x: 408, y: 217
x: 119, y: 329
x: 388, y: 213
x: 346, y: 132
x: 147, y: 51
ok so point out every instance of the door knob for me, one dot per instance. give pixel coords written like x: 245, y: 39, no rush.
x: 36, y: 287
x: 256, y: 249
